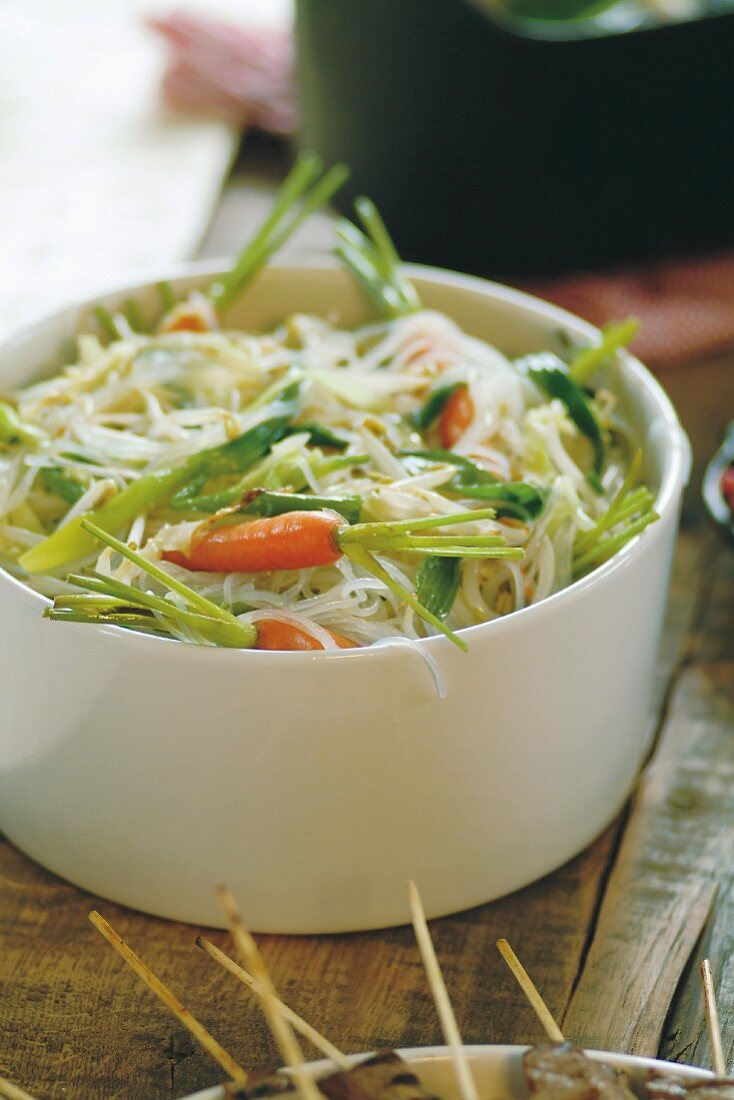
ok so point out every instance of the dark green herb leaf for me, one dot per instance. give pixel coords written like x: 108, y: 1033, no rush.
x: 68, y: 488
x: 74, y: 457
x: 508, y: 498
x: 557, y: 383
x: 469, y: 472
x: 232, y: 458
x: 320, y: 436
x: 437, y: 582
x: 434, y: 406
x: 267, y: 503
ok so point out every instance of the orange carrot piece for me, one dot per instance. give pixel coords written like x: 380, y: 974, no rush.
x: 277, y: 634
x: 188, y: 322
x: 295, y: 540
x: 457, y: 415
x: 195, y: 315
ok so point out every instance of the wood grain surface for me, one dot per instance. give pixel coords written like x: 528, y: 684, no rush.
x: 612, y: 939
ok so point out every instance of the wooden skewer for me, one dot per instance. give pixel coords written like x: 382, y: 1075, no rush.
x: 449, y: 1027
x: 712, y: 1019
x: 307, y: 1031
x: 279, y: 1025
x: 202, y: 1036
x: 13, y: 1092
x: 523, y: 979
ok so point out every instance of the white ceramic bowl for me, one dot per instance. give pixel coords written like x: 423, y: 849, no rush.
x: 313, y: 784
x: 497, y: 1071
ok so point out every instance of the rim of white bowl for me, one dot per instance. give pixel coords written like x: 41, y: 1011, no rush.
x: 674, y: 479
x: 494, y: 1052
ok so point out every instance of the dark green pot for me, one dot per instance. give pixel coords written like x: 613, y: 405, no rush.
x: 491, y: 151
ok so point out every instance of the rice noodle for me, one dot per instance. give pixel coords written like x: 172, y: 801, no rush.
x: 148, y: 403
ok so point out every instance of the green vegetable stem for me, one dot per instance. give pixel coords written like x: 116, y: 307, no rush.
x: 56, y: 482
x: 262, y: 502
x: 73, y: 541
x: 374, y: 262
x: 15, y: 430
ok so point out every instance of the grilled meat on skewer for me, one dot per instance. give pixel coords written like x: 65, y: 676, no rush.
x: 560, y: 1071
x: 384, y: 1076
x: 259, y: 1086
x: 666, y: 1086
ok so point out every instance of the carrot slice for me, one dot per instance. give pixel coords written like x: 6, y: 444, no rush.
x: 188, y: 322
x: 457, y: 415
x: 277, y: 634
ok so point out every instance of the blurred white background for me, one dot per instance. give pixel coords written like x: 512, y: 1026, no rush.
x: 96, y: 178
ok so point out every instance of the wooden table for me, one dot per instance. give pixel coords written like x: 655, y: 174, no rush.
x: 613, y: 938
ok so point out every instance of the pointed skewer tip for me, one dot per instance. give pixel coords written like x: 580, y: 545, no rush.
x: 172, y: 1003
x: 525, y: 982
x: 712, y: 1019
x: 441, y: 999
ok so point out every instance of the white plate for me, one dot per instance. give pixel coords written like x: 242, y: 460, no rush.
x: 497, y: 1070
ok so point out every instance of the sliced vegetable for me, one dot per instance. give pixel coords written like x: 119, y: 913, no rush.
x: 211, y: 617
x: 437, y: 584
x: 614, y: 336
x: 557, y: 383
x: 629, y: 513
x: 280, y: 635
x: 262, y: 502
x: 231, y: 458
x: 320, y: 436
x: 106, y: 322
x: 469, y: 472
x: 15, y: 430
x: 374, y: 262
x: 277, y: 228
x: 359, y: 390
x: 361, y: 556
x: 59, y: 483
x: 509, y: 498
x: 107, y: 601
x: 424, y: 417
x: 456, y: 417
x: 284, y: 474
x: 134, y: 315
x: 167, y: 297
x: 73, y: 541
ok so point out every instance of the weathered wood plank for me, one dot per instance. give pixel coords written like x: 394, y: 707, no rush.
x: 685, y: 1037
x: 711, y: 714
x: 76, y: 1023
x: 678, y: 843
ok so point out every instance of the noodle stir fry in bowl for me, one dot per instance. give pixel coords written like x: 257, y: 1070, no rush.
x: 283, y: 470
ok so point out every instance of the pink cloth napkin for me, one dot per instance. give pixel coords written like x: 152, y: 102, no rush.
x: 245, y: 75
x: 685, y: 307
x: 242, y: 75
